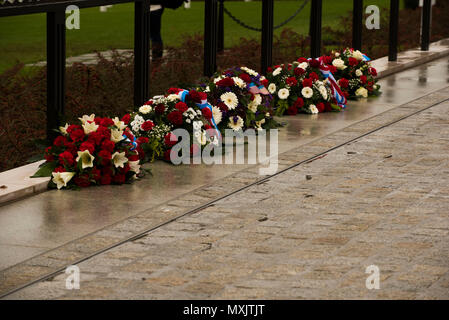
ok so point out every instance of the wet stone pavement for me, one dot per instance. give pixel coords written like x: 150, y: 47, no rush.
x: 381, y: 197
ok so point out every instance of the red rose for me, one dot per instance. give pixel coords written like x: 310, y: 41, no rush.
x: 269, y: 69
x: 82, y: 180
x: 196, y: 96
x: 119, y: 178
x: 363, y: 79
x: 207, y: 113
x: 292, y: 110
x: 47, y: 155
x: 66, y: 158
x: 147, y: 125
x: 127, y: 117
x: 105, y: 157
x: 181, y: 106
x: 332, y: 69
x: 245, y: 77
x: 314, y: 63
x: 173, y: 91
x: 142, y: 140
x: 344, y: 83
x: 105, y: 179
x: 226, y: 82
x: 373, y: 72
x: 77, y: 135
x: 353, y: 62
x: 307, y: 83
x: 160, y: 108
x: 87, y: 146
x: 291, y: 81
x: 320, y: 106
x: 175, y: 117
x: 170, y: 139
x: 60, y: 141
x: 95, y: 174
x: 313, y: 76
x: 106, y: 122
x: 299, y: 103
x: 264, y: 82
x: 299, y: 71
x: 301, y: 60
x: 108, y: 145
x: 148, y: 103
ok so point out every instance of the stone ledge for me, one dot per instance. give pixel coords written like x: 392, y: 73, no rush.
x: 411, y: 58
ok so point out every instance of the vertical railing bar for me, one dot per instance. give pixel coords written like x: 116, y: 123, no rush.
x: 210, y: 37
x: 55, y: 70
x: 315, y: 26
x: 267, y: 35
x: 357, y: 24
x: 141, y: 51
x: 425, y: 24
x: 220, y: 44
x: 394, y: 26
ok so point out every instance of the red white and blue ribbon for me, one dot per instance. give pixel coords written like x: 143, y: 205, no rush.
x: 335, y: 88
x: 182, y: 94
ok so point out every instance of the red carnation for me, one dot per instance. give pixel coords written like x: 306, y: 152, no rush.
x: 173, y: 91
x: 105, y: 179
x: 108, y: 145
x: 299, y: 71
x: 87, y: 146
x: 363, y: 79
x: 196, y: 96
x: 245, y: 77
x: 133, y: 157
x: 320, y: 106
x: 148, y: 103
x: 77, y: 135
x: 47, y: 155
x: 301, y: 60
x: 105, y: 157
x: 142, y: 140
x: 314, y: 63
x: 104, y: 132
x: 95, y: 137
x: 59, y: 169
x: 160, y: 108
x: 327, y: 59
x: 291, y: 81
x: 223, y: 107
x: 226, y: 82
x: 147, y: 125
x: 125, y: 169
x: 175, y: 117
x: 66, y: 158
x: 373, y: 72
x: 106, y: 122
x: 170, y: 139
x: 269, y: 69
x: 292, y: 110
x: 264, y: 82
x: 353, y: 61
x: 119, y: 178
x: 299, y: 103
x: 95, y: 174
x: 207, y: 113
x: 72, y: 128
x: 82, y: 180
x: 332, y: 69
x: 60, y: 141
x: 167, y: 155
x: 126, y: 118
x: 344, y: 83
x: 307, y: 83
x: 313, y: 76
x: 181, y: 106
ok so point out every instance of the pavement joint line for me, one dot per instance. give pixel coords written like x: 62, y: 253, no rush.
x: 208, y: 204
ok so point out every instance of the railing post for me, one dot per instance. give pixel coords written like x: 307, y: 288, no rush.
x: 210, y: 37
x: 394, y: 25
x: 315, y: 26
x: 357, y: 22
x: 267, y: 35
x: 55, y: 70
x: 220, y: 44
x: 141, y: 51
x: 425, y: 24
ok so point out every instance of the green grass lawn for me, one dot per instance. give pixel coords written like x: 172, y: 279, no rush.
x: 22, y: 38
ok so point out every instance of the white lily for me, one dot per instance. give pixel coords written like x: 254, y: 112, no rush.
x: 87, y: 118
x: 90, y: 127
x: 119, y: 159
x: 134, y: 166
x: 87, y: 160
x: 62, y: 178
x: 119, y: 124
x: 64, y: 129
x: 116, y: 135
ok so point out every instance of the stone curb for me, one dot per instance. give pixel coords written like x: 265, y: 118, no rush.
x: 132, y: 228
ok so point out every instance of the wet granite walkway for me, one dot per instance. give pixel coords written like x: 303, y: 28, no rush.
x: 379, y: 199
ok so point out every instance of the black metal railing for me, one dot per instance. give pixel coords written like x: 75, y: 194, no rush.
x: 213, y: 39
